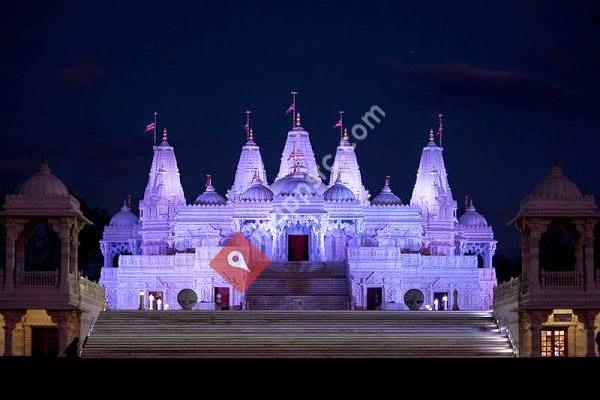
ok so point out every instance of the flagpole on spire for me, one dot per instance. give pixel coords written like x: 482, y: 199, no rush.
x: 155, y: 116
x: 440, y: 128
x: 292, y: 108
x: 340, y: 124
x: 248, y: 128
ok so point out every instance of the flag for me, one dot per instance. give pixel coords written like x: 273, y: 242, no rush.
x: 338, y: 125
x: 150, y: 127
x: 292, y: 108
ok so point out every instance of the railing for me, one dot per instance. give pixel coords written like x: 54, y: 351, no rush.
x: 507, y: 290
x: 37, y: 279
x: 562, y: 280
x: 504, y: 327
x: 91, y: 289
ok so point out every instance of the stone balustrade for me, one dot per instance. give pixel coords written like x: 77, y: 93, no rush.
x: 507, y: 290
x: 559, y: 280
x: 91, y: 290
x: 395, y: 254
x: 46, y: 279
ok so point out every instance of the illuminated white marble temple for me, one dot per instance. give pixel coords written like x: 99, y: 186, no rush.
x: 332, y: 246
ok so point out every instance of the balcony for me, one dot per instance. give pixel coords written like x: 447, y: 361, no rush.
x: 562, y: 280
x: 37, y: 279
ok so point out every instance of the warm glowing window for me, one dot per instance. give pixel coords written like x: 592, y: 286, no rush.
x: 554, y: 342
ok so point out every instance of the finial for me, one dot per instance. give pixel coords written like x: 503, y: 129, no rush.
x: 298, y: 119
x: 208, y: 181
x: 555, y: 162
x: 388, y: 179
x: 440, y: 127
x: 164, y: 136
x: 44, y: 165
x: 431, y: 135
x: 127, y: 201
x: 345, y: 135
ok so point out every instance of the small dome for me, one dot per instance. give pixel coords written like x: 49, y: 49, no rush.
x: 295, y: 184
x: 471, y: 218
x: 257, y: 191
x: 339, y: 192
x: 43, y: 183
x: 556, y: 186
x: 210, y: 195
x: 124, y: 218
x: 386, y: 197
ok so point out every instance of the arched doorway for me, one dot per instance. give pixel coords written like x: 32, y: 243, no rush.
x: 42, y: 247
x: 557, y: 247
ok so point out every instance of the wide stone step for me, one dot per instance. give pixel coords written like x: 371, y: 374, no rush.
x: 255, y: 334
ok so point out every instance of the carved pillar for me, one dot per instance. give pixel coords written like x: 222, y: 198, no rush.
x: 535, y: 235
x: 589, y: 256
x: 9, y: 272
x: 523, y: 323
x: 61, y: 318
x: 74, y: 253
x: 64, y: 234
x: 587, y: 318
x: 526, y: 275
x: 11, y: 318
x: 536, y: 318
x: 579, y: 242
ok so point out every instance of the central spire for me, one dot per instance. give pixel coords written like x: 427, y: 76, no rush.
x: 298, y: 139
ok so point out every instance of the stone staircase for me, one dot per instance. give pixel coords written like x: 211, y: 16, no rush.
x: 272, y: 334
x: 301, y: 285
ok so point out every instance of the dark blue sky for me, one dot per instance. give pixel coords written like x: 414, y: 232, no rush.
x: 514, y: 79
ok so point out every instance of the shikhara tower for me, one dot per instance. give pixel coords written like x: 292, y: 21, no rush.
x: 351, y: 250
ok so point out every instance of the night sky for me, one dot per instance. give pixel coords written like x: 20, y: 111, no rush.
x: 515, y: 80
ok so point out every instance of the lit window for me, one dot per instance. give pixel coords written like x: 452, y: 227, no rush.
x: 554, y: 342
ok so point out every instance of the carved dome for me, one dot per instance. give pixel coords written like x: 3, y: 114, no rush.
x: 210, y: 195
x: 44, y: 183
x: 339, y: 192
x: 257, y: 191
x: 124, y: 218
x: 295, y: 184
x: 471, y: 218
x: 386, y: 196
x: 556, y: 186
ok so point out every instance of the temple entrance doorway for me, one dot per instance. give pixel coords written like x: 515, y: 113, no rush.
x: 374, y: 298
x: 297, y: 247
x: 221, y: 298
x: 44, y: 341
